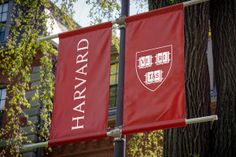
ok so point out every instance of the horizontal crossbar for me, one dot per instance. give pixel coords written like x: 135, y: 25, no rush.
x: 117, y: 131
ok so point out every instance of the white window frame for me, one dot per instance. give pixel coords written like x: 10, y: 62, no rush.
x: 4, y: 11
x: 3, y: 95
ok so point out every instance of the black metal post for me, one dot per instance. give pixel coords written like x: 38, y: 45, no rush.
x: 120, y: 142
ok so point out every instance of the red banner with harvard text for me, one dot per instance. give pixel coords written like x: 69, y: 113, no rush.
x: 154, y: 96
x: 82, y: 85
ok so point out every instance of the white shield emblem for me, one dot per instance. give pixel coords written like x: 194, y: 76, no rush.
x: 153, y: 66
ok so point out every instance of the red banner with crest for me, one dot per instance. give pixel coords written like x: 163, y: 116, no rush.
x: 154, y: 94
x: 82, y: 85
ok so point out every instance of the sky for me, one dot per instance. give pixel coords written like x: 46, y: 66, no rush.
x: 82, y: 12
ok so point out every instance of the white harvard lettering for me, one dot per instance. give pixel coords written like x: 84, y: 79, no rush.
x: 80, y: 86
x: 78, y: 126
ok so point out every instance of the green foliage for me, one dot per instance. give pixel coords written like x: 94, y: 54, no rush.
x: 103, y: 10
x: 66, y: 6
x: 17, y: 56
x: 107, y: 10
x: 147, y: 144
x: 115, y: 42
x: 47, y: 89
x: 64, y: 11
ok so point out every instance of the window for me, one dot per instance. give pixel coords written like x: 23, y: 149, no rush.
x: 3, y: 12
x: 113, y: 74
x: 113, y: 91
x: 2, y: 103
x: 3, y: 20
x: 113, y: 84
x: 2, y: 33
x: 2, y: 98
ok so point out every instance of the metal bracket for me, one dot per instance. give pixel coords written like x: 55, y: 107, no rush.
x: 116, y: 133
x: 119, y: 139
x: 119, y: 21
x: 121, y: 26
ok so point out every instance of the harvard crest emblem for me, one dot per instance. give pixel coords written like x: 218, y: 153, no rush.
x: 153, y: 66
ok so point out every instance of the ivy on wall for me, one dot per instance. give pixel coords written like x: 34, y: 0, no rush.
x: 27, y: 24
x: 146, y: 144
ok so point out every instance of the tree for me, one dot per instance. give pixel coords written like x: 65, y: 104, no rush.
x: 192, y: 140
x: 223, y: 28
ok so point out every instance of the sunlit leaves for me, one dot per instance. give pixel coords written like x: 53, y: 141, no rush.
x: 103, y: 10
x: 147, y: 144
x: 17, y: 56
x: 47, y: 89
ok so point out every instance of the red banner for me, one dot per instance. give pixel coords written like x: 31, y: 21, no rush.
x: 82, y: 85
x: 154, y: 95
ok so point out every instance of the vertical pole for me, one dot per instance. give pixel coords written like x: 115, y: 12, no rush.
x: 120, y: 142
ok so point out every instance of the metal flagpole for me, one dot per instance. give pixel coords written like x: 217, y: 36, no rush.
x: 120, y: 141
